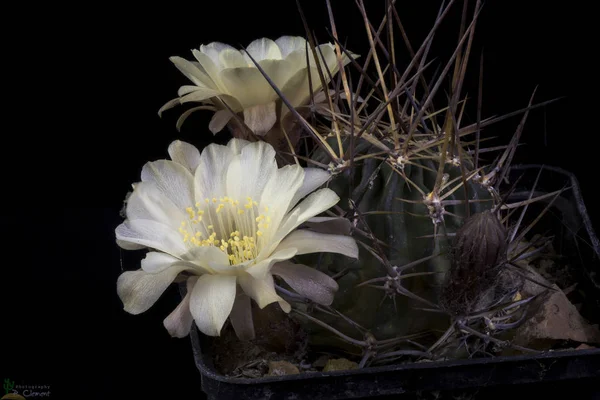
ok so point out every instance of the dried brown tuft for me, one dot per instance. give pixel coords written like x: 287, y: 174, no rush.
x: 479, y: 250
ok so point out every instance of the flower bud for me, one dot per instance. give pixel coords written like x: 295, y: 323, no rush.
x: 478, y: 252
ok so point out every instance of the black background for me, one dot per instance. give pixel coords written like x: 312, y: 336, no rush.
x: 96, y: 75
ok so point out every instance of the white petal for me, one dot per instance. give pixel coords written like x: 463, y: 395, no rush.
x: 211, y: 302
x: 184, y: 116
x: 219, y: 120
x: 313, y: 179
x: 213, y: 50
x: 173, y: 179
x: 248, y: 86
x: 168, y: 105
x: 227, y: 269
x: 236, y: 145
x: 264, y: 49
x: 280, y: 192
x: 279, y: 71
x: 139, y: 290
x: 192, y: 72
x: 148, y: 202
x: 314, y: 204
x: 241, y: 317
x: 260, y: 119
x: 187, y: 89
x: 210, y: 176
x: 151, y: 234
x: 262, y: 291
x: 326, y: 52
x: 303, y: 59
x: 179, y: 322
x: 306, y: 241
x: 296, y: 90
x: 249, y: 172
x: 156, y: 262
x: 207, y: 257
x: 199, y: 95
x: 230, y: 101
x: 288, y: 44
x: 185, y: 154
x: 232, y: 58
x: 331, y: 60
x: 299, y: 57
x: 262, y: 268
x: 200, y: 67
x: 212, y: 69
x: 129, y: 246
x: 312, y: 284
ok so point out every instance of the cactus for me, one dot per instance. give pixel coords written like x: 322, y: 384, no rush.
x: 8, y: 386
x: 392, y: 203
x: 424, y: 207
x: 436, y: 275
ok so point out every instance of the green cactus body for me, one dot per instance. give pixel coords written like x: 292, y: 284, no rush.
x: 8, y: 386
x: 378, y: 187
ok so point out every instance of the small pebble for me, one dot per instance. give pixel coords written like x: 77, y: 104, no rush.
x: 340, y: 364
x: 281, y: 368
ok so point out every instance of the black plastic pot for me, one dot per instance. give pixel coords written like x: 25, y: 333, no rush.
x: 551, y: 366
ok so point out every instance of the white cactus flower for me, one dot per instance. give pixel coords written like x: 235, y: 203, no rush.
x: 227, y: 220
x: 222, y: 73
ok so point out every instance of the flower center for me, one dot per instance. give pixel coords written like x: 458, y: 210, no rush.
x: 237, y: 229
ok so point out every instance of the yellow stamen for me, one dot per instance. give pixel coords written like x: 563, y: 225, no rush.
x: 232, y: 230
